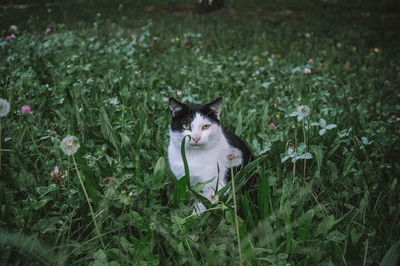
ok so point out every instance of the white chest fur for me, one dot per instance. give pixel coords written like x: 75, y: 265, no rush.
x: 204, y: 164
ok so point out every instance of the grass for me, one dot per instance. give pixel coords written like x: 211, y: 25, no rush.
x: 321, y: 194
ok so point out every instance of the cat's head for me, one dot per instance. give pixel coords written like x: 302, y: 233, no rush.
x: 200, y: 121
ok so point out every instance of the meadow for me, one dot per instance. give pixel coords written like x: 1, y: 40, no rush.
x: 312, y: 88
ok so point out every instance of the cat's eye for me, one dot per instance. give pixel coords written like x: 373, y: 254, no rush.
x: 186, y: 126
x: 205, y: 127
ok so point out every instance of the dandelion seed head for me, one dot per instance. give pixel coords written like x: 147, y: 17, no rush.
x: 234, y: 157
x: 303, y: 111
x: 70, y: 145
x: 4, y: 107
x: 13, y: 28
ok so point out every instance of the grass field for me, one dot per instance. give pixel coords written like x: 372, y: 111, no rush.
x: 325, y: 187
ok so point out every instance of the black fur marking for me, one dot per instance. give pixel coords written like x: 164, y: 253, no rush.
x: 188, y: 112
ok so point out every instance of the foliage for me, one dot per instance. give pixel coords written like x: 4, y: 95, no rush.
x: 105, y: 81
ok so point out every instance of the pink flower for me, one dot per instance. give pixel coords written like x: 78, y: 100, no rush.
x: 279, y: 102
x: 194, y: 238
x: 165, y: 99
x: 257, y: 72
x: 57, y: 176
x: 48, y: 30
x: 310, y: 60
x: 155, y: 65
x: 179, y: 92
x: 133, y: 37
x: 350, y: 98
x: 26, y: 110
x: 94, y: 24
x: 198, y: 50
x: 307, y: 71
x: 11, y: 37
x: 55, y: 171
x: 136, y: 72
x: 272, y: 126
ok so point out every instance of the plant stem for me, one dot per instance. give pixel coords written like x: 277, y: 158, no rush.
x: 203, y: 211
x: 0, y: 143
x: 236, y: 217
x: 88, y: 201
x: 305, y: 151
x: 294, y: 164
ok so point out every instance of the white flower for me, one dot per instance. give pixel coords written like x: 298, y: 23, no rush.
x: 214, y: 199
x: 70, y: 145
x: 4, y: 107
x: 234, y: 157
x: 13, y: 28
x: 302, y: 112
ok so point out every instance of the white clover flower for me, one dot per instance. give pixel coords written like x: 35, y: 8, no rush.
x: 69, y: 145
x: 4, y: 107
x: 234, y: 157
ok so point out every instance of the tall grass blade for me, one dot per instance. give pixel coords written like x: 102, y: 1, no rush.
x: 181, y: 185
x: 263, y: 195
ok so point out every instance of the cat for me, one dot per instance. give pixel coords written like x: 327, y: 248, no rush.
x: 210, y: 152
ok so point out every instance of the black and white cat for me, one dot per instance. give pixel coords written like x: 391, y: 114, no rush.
x: 210, y: 147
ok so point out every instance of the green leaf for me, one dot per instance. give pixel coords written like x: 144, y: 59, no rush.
x: 325, y: 226
x: 333, y: 171
x: 107, y: 130
x: 317, y: 151
x: 179, y: 193
x: 100, y: 258
x: 392, y: 256
x: 322, y: 122
x: 159, y: 171
x: 185, y: 163
x: 331, y: 126
x: 247, y: 211
x: 239, y: 124
x: 347, y: 168
x: 263, y: 195
x: 91, y: 185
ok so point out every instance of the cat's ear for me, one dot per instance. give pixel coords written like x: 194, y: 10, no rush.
x: 175, y: 106
x: 215, y: 106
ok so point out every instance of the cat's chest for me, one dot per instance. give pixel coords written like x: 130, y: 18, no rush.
x: 203, y: 165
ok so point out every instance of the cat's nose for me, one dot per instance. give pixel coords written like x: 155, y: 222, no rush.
x: 196, y: 138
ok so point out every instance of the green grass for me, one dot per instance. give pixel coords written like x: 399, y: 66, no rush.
x: 107, y: 89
